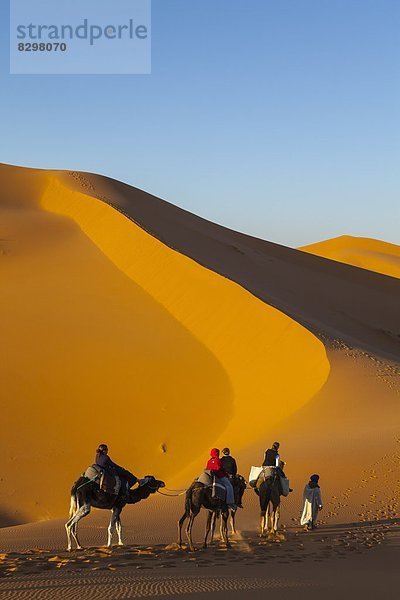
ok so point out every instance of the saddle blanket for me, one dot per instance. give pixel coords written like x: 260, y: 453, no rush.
x: 218, y: 489
x: 92, y: 472
x: 258, y: 473
x: 206, y: 478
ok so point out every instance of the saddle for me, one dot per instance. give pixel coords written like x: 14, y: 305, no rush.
x: 218, y: 489
x: 262, y: 473
x: 107, y: 482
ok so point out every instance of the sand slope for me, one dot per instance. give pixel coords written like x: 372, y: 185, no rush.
x: 374, y: 255
x: 324, y: 295
x: 112, y: 336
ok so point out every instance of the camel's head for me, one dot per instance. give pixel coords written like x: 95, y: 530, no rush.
x: 148, y: 485
x: 151, y: 483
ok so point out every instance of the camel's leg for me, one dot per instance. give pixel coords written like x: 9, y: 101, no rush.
x: 189, y: 528
x: 263, y: 523
x: 221, y: 528
x: 213, y: 525
x: 233, y: 521
x: 115, y: 512
x: 118, y: 525
x: 82, y: 512
x: 275, y: 518
x: 74, y: 533
x: 208, y: 527
x: 265, y: 497
x: 71, y: 526
x: 270, y: 518
x: 224, y: 528
x: 180, y: 524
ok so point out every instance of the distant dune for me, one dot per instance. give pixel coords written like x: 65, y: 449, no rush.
x: 366, y: 253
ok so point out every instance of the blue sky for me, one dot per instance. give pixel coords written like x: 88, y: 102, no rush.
x: 277, y: 118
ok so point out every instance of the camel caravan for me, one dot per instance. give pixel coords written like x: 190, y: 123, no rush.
x: 219, y: 490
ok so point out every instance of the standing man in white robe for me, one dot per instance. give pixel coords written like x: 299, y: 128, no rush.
x: 312, y: 503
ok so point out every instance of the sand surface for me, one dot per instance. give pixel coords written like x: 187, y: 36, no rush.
x: 350, y: 560
x: 134, y: 322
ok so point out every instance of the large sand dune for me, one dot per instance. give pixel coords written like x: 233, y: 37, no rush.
x: 323, y: 295
x: 111, y: 335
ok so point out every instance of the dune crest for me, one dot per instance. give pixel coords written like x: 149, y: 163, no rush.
x: 322, y: 295
x: 367, y: 253
x: 113, y: 336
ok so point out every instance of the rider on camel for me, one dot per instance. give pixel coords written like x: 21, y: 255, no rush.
x: 228, y: 462
x: 273, y: 459
x: 215, y: 466
x: 109, y: 466
x: 230, y: 466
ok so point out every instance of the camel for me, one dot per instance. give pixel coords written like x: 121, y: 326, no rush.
x: 86, y: 494
x: 200, y: 496
x: 269, y: 492
x: 239, y: 487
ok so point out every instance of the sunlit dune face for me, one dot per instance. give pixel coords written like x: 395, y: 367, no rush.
x: 374, y: 255
x: 87, y: 352
x: 110, y: 336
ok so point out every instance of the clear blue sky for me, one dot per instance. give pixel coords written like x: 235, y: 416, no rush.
x: 277, y: 118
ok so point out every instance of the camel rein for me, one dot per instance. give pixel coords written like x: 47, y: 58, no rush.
x: 87, y: 482
x: 174, y: 494
x: 181, y: 492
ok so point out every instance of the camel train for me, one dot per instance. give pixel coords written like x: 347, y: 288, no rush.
x: 219, y: 490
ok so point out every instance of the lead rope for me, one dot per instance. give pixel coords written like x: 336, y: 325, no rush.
x: 87, y: 482
x: 172, y: 495
x: 183, y: 491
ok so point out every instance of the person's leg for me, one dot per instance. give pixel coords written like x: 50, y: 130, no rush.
x: 230, y: 497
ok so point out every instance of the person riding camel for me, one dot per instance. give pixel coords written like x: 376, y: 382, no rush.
x: 272, y: 459
x: 215, y: 466
x: 103, y: 461
x: 230, y: 466
x: 228, y: 462
x: 271, y: 456
x: 111, y: 468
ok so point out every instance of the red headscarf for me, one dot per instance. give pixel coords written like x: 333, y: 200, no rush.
x: 215, y: 464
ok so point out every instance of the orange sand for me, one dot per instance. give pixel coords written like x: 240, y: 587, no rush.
x: 366, y: 253
x: 112, y: 336
x: 128, y: 321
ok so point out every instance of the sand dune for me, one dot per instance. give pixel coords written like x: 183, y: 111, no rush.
x: 324, y: 295
x: 111, y: 335
x: 374, y: 255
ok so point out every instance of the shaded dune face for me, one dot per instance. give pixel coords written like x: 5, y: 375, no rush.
x: 111, y: 336
x: 374, y: 255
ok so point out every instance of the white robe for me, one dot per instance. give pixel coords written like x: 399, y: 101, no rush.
x: 312, y: 505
